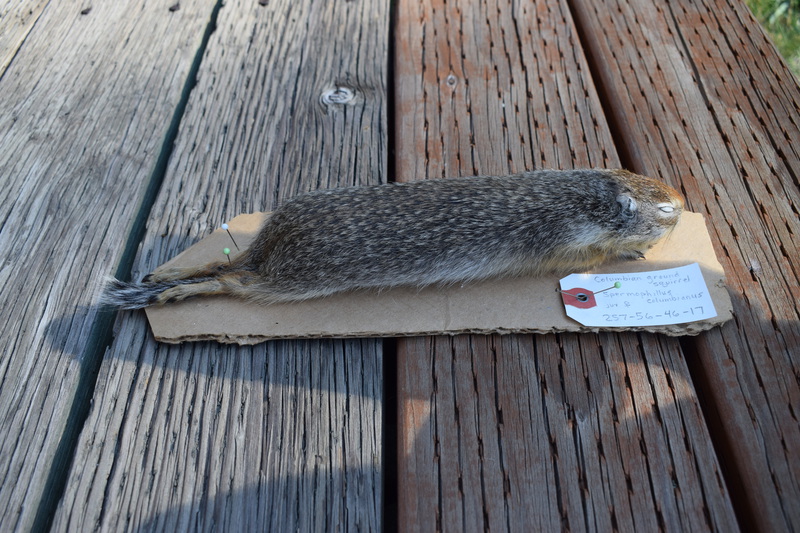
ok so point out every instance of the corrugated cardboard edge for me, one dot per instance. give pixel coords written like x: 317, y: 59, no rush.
x: 504, y: 306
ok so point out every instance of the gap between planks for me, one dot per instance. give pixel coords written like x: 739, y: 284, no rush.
x: 101, y: 335
x: 733, y: 84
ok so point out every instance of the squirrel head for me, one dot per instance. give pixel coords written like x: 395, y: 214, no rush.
x: 648, y: 209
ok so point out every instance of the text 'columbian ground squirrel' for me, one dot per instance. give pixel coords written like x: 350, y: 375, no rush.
x: 438, y: 231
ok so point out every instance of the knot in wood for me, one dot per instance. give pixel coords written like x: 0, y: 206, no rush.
x: 338, y: 96
x: 451, y: 80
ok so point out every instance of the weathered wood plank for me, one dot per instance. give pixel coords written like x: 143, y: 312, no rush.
x: 284, y: 435
x: 17, y: 18
x: 84, y: 118
x: 540, y: 433
x: 582, y: 432
x: 703, y: 100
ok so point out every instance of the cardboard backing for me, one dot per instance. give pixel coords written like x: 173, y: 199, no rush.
x: 509, y: 305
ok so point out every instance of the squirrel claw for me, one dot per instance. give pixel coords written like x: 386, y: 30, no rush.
x: 631, y: 255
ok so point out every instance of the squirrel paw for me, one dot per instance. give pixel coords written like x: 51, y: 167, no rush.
x: 632, y: 255
x: 167, y: 274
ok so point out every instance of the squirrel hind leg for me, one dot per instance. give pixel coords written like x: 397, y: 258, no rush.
x: 166, y: 275
x: 231, y: 284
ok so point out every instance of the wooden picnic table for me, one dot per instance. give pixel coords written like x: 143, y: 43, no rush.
x: 130, y: 130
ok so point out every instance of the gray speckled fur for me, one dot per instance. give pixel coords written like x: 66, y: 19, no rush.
x: 438, y: 232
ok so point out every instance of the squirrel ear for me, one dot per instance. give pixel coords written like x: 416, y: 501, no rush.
x: 628, y: 205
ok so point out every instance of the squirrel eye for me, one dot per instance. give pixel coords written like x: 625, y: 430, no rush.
x: 667, y: 208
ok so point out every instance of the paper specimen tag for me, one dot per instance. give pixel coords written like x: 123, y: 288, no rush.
x: 657, y: 298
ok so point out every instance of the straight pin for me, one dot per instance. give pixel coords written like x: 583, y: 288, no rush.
x: 225, y: 227
x: 583, y: 297
x: 227, y: 252
x: 616, y: 285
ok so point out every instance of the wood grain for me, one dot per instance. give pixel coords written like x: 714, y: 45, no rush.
x: 284, y: 435
x: 17, y: 18
x: 543, y: 432
x: 702, y: 99
x: 578, y: 432
x: 595, y: 432
x: 84, y: 118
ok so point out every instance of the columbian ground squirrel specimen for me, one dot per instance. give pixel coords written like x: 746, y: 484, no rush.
x: 429, y: 232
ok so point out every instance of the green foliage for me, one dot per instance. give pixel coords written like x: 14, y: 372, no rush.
x: 781, y: 19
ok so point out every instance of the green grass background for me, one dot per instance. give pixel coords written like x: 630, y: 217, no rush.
x: 781, y: 19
